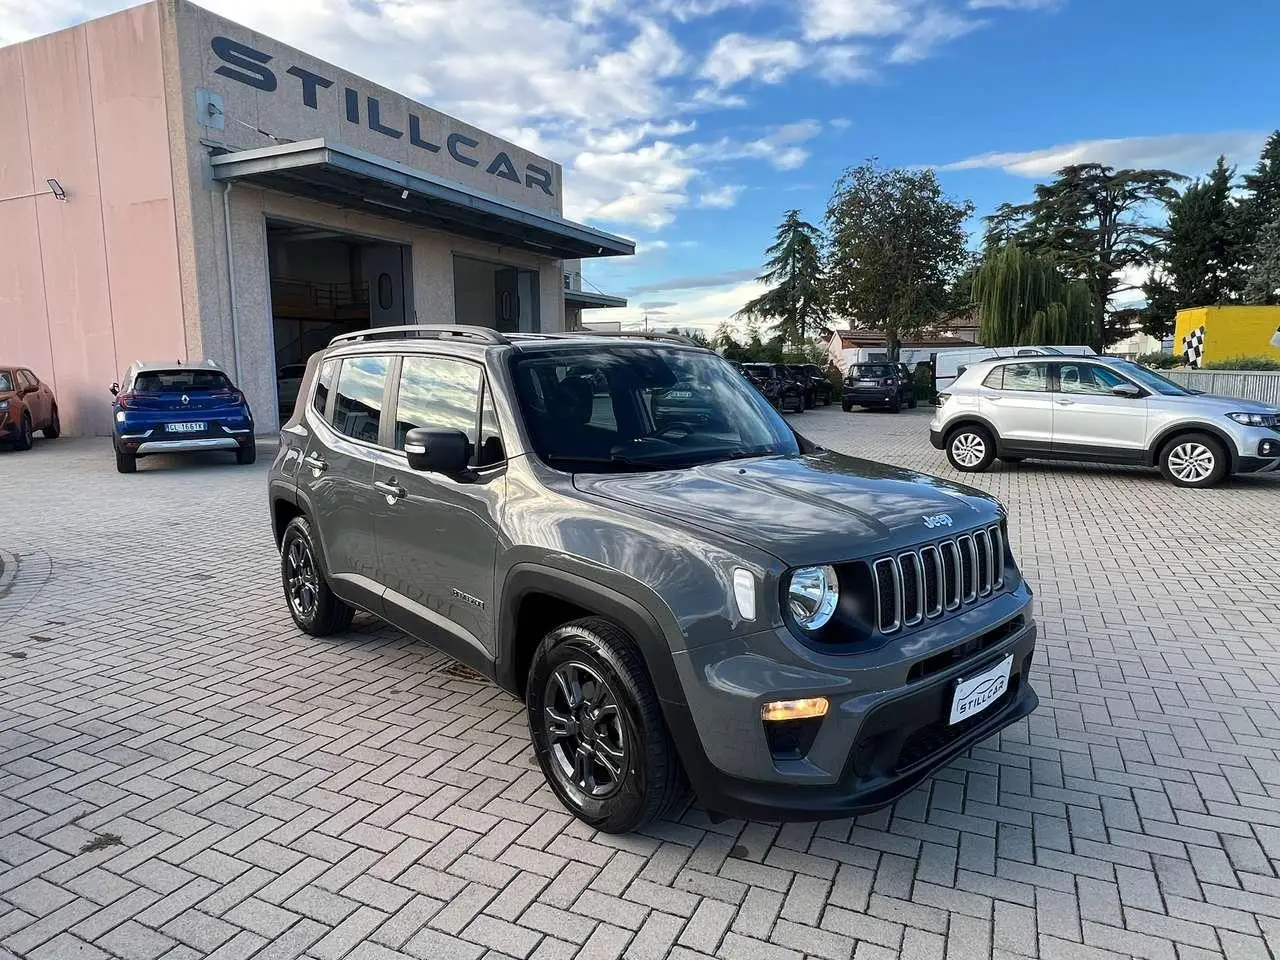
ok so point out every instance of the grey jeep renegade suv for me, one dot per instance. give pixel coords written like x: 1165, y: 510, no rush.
x: 682, y: 590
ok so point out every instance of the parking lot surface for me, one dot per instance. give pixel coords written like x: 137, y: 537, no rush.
x: 183, y: 774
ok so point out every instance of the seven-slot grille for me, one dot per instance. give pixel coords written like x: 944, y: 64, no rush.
x: 937, y: 578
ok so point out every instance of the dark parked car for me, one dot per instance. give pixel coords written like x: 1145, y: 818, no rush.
x: 813, y: 381
x: 795, y: 633
x: 173, y: 408
x: 884, y: 385
x: 776, y: 384
x: 26, y: 405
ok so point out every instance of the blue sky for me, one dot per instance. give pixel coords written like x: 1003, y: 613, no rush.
x: 693, y: 125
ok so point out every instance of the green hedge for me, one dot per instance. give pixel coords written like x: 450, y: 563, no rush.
x: 1160, y: 361
x: 1243, y: 363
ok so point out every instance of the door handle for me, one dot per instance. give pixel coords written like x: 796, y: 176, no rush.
x: 1065, y: 403
x: 315, y: 463
x: 392, y: 491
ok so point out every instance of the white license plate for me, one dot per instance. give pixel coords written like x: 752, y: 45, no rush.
x: 977, y: 693
x: 185, y: 427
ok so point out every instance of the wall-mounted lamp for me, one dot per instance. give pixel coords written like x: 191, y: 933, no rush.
x: 56, y: 187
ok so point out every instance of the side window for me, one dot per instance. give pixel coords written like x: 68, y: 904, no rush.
x: 1086, y: 378
x: 324, y: 384
x: 357, y: 409
x: 490, y: 449
x: 27, y: 378
x: 995, y: 379
x: 1027, y: 377
x: 437, y: 392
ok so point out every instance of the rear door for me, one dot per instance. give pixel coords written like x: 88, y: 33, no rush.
x: 1088, y: 419
x: 335, y: 478
x: 438, y: 535
x: 1015, y: 397
x: 35, y: 399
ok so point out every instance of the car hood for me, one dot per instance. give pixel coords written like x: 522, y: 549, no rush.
x: 1224, y: 404
x: 820, y: 508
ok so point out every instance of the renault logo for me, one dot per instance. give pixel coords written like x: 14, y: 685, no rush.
x: 185, y: 399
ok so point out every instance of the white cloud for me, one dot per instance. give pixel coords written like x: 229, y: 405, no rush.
x: 838, y: 19
x: 783, y: 147
x: 737, y: 57
x: 1189, y: 153
x: 841, y: 123
x: 721, y: 198
x: 701, y: 308
x: 934, y: 28
x: 1015, y: 4
x: 843, y: 62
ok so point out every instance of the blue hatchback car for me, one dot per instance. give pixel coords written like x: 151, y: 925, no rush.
x: 176, y: 408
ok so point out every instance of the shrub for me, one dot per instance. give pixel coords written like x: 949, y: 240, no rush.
x: 1243, y: 363
x: 1160, y: 361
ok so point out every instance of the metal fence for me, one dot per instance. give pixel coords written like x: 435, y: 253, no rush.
x: 1246, y: 384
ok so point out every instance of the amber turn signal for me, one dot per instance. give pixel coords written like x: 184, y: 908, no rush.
x: 795, y: 709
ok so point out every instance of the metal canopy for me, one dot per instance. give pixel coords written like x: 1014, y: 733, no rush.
x: 356, y: 180
x: 587, y: 300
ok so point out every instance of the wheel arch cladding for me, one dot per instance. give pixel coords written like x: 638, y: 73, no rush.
x: 971, y: 420
x: 1170, y: 434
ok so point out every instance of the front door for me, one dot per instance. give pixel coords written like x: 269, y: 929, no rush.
x: 386, y: 268
x: 437, y: 535
x: 1089, y: 419
x: 1016, y: 398
x: 336, y: 473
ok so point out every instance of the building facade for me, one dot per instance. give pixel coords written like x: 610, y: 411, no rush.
x: 176, y: 186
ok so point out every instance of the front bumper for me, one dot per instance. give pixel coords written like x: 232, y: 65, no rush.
x: 871, y: 397
x: 887, y: 728
x: 1257, y: 451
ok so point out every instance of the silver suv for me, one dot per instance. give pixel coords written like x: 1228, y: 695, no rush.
x: 1101, y: 410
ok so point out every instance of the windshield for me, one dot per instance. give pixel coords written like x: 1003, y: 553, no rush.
x: 624, y: 409
x: 1151, y: 380
x: 868, y: 370
x: 162, y: 381
x: 6, y: 382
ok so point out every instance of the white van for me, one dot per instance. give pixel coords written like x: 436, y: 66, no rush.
x: 949, y: 364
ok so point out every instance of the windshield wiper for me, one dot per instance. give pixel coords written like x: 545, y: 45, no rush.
x: 616, y: 460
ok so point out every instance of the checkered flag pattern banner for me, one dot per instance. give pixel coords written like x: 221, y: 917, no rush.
x: 1193, y: 346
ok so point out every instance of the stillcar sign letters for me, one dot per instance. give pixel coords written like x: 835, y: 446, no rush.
x: 249, y: 66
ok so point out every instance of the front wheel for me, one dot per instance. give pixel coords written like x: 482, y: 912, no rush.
x: 315, y: 608
x: 1194, y: 460
x: 971, y: 449
x: 597, y: 728
x: 23, y: 441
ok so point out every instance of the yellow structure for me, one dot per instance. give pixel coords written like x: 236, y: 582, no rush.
x: 1230, y: 332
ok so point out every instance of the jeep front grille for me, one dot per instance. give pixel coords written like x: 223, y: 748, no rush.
x: 922, y: 584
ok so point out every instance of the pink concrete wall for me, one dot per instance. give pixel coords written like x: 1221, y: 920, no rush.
x: 95, y: 284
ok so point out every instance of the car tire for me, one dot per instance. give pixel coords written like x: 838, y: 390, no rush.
x: 846, y: 406
x: 314, y: 607
x: 913, y: 402
x: 1194, y: 460
x: 971, y: 449
x: 632, y: 774
x: 23, y: 440
x: 126, y: 462
x: 895, y: 405
x: 54, y: 428
x: 247, y: 454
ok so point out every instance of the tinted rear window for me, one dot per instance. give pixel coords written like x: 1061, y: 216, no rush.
x: 164, y: 381
x: 871, y: 370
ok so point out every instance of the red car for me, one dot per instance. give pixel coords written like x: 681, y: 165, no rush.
x: 26, y: 405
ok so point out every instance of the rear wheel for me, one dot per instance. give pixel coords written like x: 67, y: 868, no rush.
x: 54, y: 428
x: 126, y: 462
x: 846, y: 405
x: 912, y: 401
x: 1194, y: 460
x: 315, y: 608
x: 971, y: 449
x: 247, y: 454
x: 895, y: 404
x: 23, y: 440
x: 597, y: 728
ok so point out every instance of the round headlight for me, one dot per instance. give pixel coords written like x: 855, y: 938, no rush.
x: 812, y: 593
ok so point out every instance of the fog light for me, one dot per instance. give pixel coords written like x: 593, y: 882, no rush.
x: 1269, y: 448
x: 795, y: 709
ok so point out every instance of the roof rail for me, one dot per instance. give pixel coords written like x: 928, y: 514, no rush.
x: 634, y: 335
x: 428, y: 331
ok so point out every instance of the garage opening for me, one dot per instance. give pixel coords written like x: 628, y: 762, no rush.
x: 325, y: 282
x: 497, y: 295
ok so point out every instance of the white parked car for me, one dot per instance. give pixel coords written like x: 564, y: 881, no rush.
x: 1102, y: 410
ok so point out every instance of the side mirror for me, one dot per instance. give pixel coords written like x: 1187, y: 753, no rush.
x: 437, y: 450
x: 114, y: 388
x: 1126, y: 390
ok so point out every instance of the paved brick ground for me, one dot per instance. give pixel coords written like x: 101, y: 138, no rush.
x: 182, y: 774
